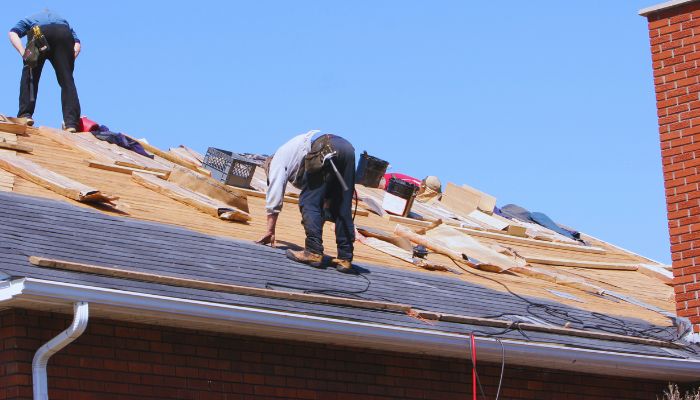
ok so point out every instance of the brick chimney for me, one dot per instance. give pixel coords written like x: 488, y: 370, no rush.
x: 674, y: 33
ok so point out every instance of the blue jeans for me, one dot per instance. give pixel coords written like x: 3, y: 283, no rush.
x: 322, y: 196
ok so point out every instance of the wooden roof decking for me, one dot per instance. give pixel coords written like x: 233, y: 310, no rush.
x: 141, y: 203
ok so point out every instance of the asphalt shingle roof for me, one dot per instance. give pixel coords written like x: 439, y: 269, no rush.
x: 54, y: 229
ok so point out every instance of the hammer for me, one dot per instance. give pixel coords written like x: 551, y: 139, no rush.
x: 329, y: 157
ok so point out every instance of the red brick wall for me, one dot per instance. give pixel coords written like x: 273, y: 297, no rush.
x: 675, y: 46
x: 114, y: 360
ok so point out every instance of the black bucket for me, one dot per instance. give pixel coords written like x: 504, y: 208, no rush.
x: 370, y: 170
x: 401, y: 188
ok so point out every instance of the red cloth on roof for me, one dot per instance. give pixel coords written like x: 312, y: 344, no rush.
x: 87, y: 125
x: 403, y: 177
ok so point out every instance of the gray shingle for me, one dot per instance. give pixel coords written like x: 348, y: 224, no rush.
x: 35, y: 226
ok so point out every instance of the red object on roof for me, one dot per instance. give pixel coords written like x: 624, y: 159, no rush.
x: 403, y: 177
x: 87, y: 125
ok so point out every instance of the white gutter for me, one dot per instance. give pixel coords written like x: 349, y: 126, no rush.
x: 663, y: 6
x: 260, y: 322
x: 41, y: 358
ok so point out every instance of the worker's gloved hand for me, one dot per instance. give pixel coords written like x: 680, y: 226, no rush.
x: 269, y: 238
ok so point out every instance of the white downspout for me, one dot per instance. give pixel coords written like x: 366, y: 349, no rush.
x: 41, y: 358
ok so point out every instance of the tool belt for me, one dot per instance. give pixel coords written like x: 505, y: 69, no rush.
x: 313, y: 161
x: 36, y: 46
x: 320, y: 148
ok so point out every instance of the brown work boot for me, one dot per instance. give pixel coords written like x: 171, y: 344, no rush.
x: 342, y: 265
x: 306, y: 257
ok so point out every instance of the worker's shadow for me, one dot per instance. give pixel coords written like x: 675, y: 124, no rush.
x: 356, y: 269
x: 108, y: 208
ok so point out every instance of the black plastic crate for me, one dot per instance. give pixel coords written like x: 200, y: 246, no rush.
x: 229, y: 167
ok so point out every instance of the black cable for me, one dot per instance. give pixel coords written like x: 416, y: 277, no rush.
x: 478, y: 382
x: 503, y: 367
x: 357, y: 200
x: 614, y: 325
x: 548, y: 309
x: 338, y: 292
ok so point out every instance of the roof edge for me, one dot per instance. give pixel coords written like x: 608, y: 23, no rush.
x: 161, y: 310
x: 644, y: 12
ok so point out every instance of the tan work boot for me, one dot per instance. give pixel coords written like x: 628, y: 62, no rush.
x: 342, y: 265
x: 26, y: 120
x: 306, y: 257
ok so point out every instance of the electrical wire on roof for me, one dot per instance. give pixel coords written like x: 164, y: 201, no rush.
x: 354, y: 294
x: 618, y: 326
x: 503, y: 367
x: 476, y: 380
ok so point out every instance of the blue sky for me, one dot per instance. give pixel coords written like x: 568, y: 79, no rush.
x: 546, y: 104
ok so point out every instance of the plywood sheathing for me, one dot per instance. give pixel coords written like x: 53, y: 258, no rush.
x: 17, y: 129
x: 209, y: 187
x: 197, y: 200
x: 459, y: 200
x: 7, y: 179
x: 55, y: 182
x: 103, y: 151
x: 141, y: 203
x: 486, y: 201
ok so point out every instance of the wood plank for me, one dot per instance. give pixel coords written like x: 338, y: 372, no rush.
x: 209, y: 187
x: 659, y: 272
x: 53, y: 181
x: 546, y: 328
x: 130, y: 164
x: 195, y: 154
x: 201, y: 202
x: 409, y: 221
x: 184, y: 154
x: 16, y: 147
x: 8, y: 137
x: 173, y: 158
x: 536, y: 242
x: 502, y: 236
x: 491, y: 257
x: 487, y: 220
x: 517, y: 230
x: 121, y: 169
x: 402, y: 254
x: 583, y: 264
x: 434, y: 246
x: 486, y: 201
x: 215, y: 286
x: 360, y: 212
x: 255, y: 193
x: 459, y: 200
x: 17, y: 129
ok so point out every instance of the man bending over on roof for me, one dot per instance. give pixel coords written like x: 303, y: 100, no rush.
x: 63, y: 49
x: 300, y: 161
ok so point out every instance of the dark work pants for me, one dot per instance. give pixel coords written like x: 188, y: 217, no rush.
x: 61, y: 56
x: 323, y: 189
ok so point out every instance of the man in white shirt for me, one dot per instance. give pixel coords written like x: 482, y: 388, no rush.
x: 322, y: 195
